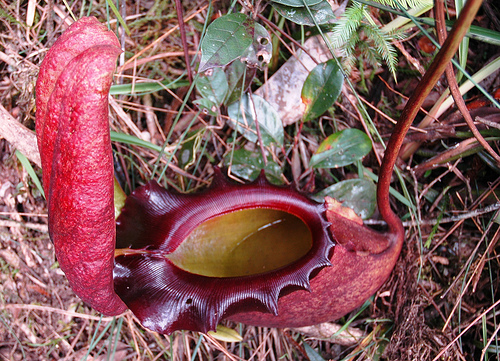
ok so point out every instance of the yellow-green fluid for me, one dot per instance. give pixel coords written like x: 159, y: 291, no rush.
x: 241, y: 243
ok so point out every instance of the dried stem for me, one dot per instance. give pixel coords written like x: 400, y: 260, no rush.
x: 19, y: 136
x: 182, y: 29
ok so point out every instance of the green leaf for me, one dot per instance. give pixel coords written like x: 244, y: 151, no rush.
x: 323, y: 13
x: 27, y: 165
x: 119, y: 197
x: 130, y: 139
x: 297, y: 3
x: 226, y: 39
x: 236, y: 72
x: 321, y: 88
x: 188, y: 153
x: 146, y: 87
x: 312, y: 354
x: 118, y: 16
x: 206, y: 104
x: 358, y: 194
x: 248, y: 165
x: 213, y: 87
x: 244, y: 113
x: 341, y: 149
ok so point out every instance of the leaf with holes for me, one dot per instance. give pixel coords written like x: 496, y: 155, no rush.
x: 227, y: 38
x: 341, y: 149
x: 321, y: 88
x: 357, y: 194
x: 244, y: 113
x: 260, y: 52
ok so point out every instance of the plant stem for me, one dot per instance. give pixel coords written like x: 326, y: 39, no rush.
x: 182, y: 29
x: 412, y: 108
x: 454, y: 89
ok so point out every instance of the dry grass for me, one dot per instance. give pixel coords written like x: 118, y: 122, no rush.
x: 437, y: 303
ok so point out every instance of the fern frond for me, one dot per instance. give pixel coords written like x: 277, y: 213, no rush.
x: 347, y: 25
x: 382, y: 44
x: 346, y: 38
x: 404, y: 3
x: 348, y: 50
x: 369, y: 54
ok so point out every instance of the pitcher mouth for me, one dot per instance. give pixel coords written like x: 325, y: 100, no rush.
x: 186, y: 261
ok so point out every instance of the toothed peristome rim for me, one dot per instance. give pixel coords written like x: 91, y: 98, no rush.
x: 166, y: 298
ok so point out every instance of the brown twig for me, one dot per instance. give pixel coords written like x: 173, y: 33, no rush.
x: 164, y: 36
x: 182, y: 29
x: 476, y: 320
x: 15, y: 306
x: 275, y: 28
x: 19, y: 136
x: 467, y: 145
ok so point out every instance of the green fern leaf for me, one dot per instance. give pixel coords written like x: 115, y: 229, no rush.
x: 403, y: 3
x: 382, y: 44
x: 347, y: 25
x: 346, y: 38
